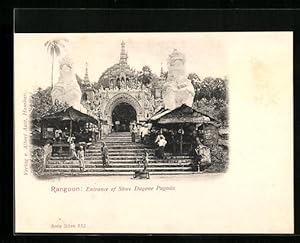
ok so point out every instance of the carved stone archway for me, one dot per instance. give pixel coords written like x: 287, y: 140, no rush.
x: 122, y: 98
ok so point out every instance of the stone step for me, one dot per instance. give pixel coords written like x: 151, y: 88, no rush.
x: 112, y: 169
x: 126, y: 157
x: 121, y: 149
x: 121, y: 165
x: 125, y: 147
x: 120, y: 173
x: 127, y: 153
x: 133, y: 158
x: 119, y: 134
x: 117, y: 138
x: 88, y: 173
x: 121, y: 137
x: 150, y: 158
x: 118, y: 144
x: 122, y: 153
x: 122, y: 160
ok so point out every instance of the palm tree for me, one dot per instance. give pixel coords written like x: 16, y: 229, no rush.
x: 53, y: 47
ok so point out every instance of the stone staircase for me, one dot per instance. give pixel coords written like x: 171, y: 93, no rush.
x: 124, y: 156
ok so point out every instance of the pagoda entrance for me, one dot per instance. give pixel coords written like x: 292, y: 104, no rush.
x: 122, y: 115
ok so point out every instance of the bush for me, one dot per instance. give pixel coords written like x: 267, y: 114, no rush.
x: 37, y: 158
x: 219, y: 159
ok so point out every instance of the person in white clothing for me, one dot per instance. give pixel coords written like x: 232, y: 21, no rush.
x: 161, y: 142
x: 144, y: 131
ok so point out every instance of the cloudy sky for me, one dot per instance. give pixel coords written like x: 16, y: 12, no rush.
x: 205, y: 53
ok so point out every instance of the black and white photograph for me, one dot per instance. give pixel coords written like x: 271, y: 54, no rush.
x: 99, y: 115
x: 153, y: 132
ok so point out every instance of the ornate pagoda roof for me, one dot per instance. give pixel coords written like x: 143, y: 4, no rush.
x: 117, y: 69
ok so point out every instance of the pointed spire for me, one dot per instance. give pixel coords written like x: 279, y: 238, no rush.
x: 161, y: 69
x: 86, y: 76
x: 123, y: 54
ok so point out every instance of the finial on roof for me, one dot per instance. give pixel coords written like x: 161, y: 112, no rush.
x: 161, y: 70
x: 86, y: 76
x: 123, y: 54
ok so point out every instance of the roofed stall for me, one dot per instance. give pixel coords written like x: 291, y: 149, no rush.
x: 185, y: 118
x: 69, y: 122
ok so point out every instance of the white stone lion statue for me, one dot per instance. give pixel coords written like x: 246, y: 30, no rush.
x: 67, y: 88
x: 178, y: 89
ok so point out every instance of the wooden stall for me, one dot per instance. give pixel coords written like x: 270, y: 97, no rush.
x: 61, y: 125
x: 183, y: 121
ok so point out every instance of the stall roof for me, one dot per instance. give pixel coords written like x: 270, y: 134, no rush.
x: 70, y: 114
x: 159, y: 114
x: 182, y: 114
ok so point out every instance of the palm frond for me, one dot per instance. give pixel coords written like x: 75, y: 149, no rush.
x: 52, y: 51
x: 57, y: 50
x: 49, y: 47
x: 59, y: 43
x: 53, y: 46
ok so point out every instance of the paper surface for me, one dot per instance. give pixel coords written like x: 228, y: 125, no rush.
x: 255, y: 194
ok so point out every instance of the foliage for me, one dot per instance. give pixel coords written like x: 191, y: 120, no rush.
x: 146, y: 76
x: 37, y: 156
x: 195, y: 80
x: 219, y: 159
x: 53, y: 46
x: 41, y: 104
x: 164, y: 75
x: 211, y: 96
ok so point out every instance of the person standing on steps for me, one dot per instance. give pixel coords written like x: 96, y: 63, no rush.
x: 105, y: 156
x: 144, y: 173
x: 58, y: 134
x: 73, y: 150
x: 133, y: 133
x: 80, y: 155
x: 145, y: 159
x: 161, y: 142
x: 144, y: 131
x: 173, y: 141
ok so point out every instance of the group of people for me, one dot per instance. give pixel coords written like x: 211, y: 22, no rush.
x: 81, y: 153
x: 74, y: 155
x: 143, y: 130
x: 202, y: 155
x: 82, y: 135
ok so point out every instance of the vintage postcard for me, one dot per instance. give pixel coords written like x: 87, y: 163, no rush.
x: 153, y: 132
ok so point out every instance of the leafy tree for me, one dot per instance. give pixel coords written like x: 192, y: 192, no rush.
x: 146, y: 76
x: 41, y: 104
x: 164, y: 74
x: 53, y: 47
x: 219, y: 89
x: 211, y: 96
